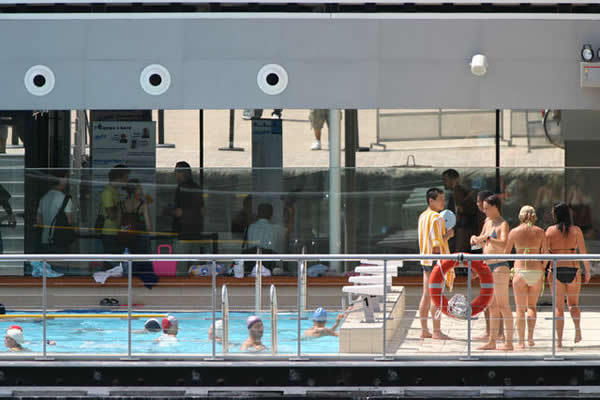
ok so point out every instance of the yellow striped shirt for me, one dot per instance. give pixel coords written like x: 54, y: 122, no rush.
x: 431, y: 234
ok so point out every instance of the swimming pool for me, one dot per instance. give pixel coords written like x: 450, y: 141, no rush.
x: 109, y: 336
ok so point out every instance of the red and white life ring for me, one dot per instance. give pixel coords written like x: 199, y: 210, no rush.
x: 486, y: 283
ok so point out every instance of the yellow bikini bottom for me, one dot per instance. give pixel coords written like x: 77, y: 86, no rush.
x: 531, y: 276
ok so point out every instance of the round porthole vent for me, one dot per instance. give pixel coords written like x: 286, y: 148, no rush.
x: 155, y: 79
x: 272, y: 79
x: 39, y: 80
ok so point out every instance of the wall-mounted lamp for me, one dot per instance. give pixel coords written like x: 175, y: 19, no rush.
x: 479, y: 64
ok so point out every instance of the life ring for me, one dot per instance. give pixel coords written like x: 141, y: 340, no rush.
x: 486, y: 283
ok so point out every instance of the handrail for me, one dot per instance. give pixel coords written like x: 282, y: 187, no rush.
x: 274, y: 311
x: 294, y: 257
x: 225, y: 319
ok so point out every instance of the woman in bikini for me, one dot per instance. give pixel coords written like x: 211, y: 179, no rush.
x: 528, y: 278
x: 564, y: 238
x: 493, y: 238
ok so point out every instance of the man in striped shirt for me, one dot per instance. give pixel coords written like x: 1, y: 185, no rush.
x: 433, y: 239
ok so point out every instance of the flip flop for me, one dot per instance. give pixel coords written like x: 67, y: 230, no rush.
x: 113, y: 302
x: 105, y: 302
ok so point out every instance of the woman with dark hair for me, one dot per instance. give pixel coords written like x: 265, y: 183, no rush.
x: 493, y: 239
x: 135, y: 219
x: 565, y: 238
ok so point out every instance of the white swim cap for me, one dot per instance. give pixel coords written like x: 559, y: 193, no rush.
x: 16, y: 335
x: 219, y: 328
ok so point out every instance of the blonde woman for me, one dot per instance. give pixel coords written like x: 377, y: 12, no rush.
x: 528, y: 278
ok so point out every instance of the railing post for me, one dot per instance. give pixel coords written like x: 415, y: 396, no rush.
x: 225, y: 319
x: 469, y: 310
x: 274, y: 311
x: 129, y: 305
x: 299, y: 327
x: 304, y: 282
x: 554, y: 308
x: 213, y: 273
x: 384, y: 307
x: 258, y: 284
x: 44, y: 306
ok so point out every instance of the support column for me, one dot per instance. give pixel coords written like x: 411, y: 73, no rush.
x: 335, y: 200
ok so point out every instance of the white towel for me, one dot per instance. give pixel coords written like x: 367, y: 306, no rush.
x: 102, y: 276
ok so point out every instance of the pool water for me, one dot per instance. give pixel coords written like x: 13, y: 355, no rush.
x: 109, y: 336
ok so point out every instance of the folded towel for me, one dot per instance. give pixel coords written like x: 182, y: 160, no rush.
x: 38, y: 270
x: 102, y: 276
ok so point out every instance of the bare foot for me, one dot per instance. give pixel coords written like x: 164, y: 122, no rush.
x: 488, y: 346
x: 500, y: 338
x: 530, y: 342
x: 425, y: 335
x: 578, y: 336
x: 485, y: 337
x: 558, y: 345
x: 440, y: 336
x: 521, y: 345
x: 506, y: 347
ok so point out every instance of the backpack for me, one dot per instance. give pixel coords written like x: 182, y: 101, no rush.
x: 61, y: 231
x: 130, y: 226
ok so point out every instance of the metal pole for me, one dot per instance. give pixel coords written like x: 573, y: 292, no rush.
x: 335, y: 203
x: 498, y: 189
x: 554, y: 309
x: 213, y: 273
x: 129, y: 303
x: 161, y: 126
x: 384, y: 306
x: 231, y: 147
x: 304, y: 282
x: 44, y: 306
x: 469, y: 311
x: 258, y: 284
x: 225, y: 316
x: 299, y: 301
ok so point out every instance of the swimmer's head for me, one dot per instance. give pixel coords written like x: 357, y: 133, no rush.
x: 14, y: 336
x: 255, y: 326
x: 219, y: 328
x: 320, y: 316
x: 527, y: 215
x: 152, y: 325
x: 170, y: 325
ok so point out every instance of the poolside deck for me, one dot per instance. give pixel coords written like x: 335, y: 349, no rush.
x: 408, y: 343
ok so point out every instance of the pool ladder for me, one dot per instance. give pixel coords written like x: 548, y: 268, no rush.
x: 225, y: 316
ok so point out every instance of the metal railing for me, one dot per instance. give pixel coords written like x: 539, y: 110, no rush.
x: 301, y: 260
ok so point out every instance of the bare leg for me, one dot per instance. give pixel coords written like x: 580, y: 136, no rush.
x: 520, y: 290
x: 560, y: 313
x: 573, y: 289
x: 318, y: 134
x: 486, y: 335
x: 424, y: 305
x: 501, y: 280
x: 532, y: 299
x: 437, y: 329
x: 494, y: 319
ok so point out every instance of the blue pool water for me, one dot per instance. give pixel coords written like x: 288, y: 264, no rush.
x: 109, y: 336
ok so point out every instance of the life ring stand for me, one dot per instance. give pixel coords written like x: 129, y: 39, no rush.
x: 486, y: 280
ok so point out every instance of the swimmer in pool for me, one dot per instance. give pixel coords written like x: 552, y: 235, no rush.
x: 170, y: 327
x: 565, y: 238
x: 319, y: 320
x: 255, y: 334
x: 14, y: 339
x: 218, y: 331
x: 150, y: 326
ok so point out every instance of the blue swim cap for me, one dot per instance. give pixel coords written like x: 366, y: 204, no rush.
x: 320, y: 315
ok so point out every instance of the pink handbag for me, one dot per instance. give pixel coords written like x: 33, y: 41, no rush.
x: 165, y: 268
